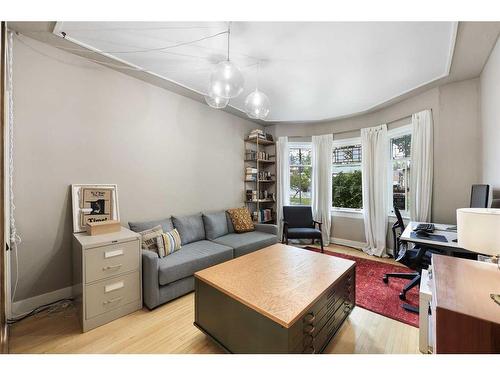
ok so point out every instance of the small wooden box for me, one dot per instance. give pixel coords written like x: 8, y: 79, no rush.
x: 103, y: 227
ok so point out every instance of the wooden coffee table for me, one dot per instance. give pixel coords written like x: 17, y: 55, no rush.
x: 280, y: 299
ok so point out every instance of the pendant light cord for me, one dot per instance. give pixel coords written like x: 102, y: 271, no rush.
x: 228, y: 38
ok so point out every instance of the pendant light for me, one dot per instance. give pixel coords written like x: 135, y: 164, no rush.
x: 216, y: 101
x: 257, y: 104
x: 226, y: 80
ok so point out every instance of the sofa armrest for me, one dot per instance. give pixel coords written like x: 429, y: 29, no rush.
x: 150, y: 283
x: 267, y: 228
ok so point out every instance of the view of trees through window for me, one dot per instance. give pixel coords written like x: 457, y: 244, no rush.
x: 347, y: 177
x: 300, y: 175
x: 400, y: 160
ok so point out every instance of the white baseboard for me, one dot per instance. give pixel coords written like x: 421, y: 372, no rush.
x: 24, y: 306
x: 348, y: 243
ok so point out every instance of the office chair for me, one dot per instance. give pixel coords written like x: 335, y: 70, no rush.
x: 298, y: 223
x: 416, y: 259
x: 479, y: 196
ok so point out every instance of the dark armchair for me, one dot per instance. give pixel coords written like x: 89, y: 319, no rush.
x: 298, y: 223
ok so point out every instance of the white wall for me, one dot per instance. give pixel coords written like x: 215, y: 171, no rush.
x: 490, y: 121
x: 77, y: 122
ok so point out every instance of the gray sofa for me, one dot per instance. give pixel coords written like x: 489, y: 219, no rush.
x: 207, y: 239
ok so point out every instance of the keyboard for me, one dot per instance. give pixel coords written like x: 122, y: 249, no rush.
x: 425, y: 227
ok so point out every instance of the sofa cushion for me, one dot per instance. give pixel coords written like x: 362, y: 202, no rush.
x: 191, y: 258
x: 190, y: 228
x: 244, y: 243
x: 230, y: 228
x: 242, y: 220
x: 139, y: 226
x: 215, y: 224
x: 299, y: 233
x: 149, y: 239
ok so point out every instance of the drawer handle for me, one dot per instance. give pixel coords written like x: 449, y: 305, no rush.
x: 112, y: 254
x: 115, y: 286
x: 112, y: 300
x: 310, y: 330
x: 111, y: 267
x: 309, y: 318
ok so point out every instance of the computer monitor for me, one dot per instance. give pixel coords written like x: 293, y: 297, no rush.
x: 479, y: 196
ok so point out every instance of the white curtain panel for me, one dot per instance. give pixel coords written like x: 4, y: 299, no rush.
x: 322, y: 147
x: 422, y: 159
x: 282, y: 180
x: 374, y: 162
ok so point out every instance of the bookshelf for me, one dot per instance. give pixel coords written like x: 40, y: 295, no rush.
x: 260, y: 176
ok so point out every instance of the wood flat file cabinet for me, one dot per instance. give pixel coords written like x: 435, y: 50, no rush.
x: 107, y: 276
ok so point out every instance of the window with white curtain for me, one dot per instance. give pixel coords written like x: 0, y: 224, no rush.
x: 400, y: 169
x: 346, y: 175
x: 300, y: 173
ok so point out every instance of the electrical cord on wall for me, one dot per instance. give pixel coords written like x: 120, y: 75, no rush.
x: 50, y: 307
x: 14, y: 239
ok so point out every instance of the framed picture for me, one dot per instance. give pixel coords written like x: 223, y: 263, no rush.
x: 93, y: 203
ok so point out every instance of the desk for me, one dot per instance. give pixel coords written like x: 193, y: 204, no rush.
x: 464, y: 317
x: 449, y: 247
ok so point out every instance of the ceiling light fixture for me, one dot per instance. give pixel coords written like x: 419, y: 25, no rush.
x: 226, y: 80
x: 216, y: 101
x: 257, y: 104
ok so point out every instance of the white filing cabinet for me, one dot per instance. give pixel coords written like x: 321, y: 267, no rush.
x: 107, y: 276
x: 424, y: 320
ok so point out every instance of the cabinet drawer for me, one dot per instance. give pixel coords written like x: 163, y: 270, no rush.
x: 111, y: 260
x: 110, y: 294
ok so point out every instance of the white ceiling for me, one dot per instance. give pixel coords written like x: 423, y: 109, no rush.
x: 310, y: 71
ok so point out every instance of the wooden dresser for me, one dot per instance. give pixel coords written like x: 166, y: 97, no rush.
x: 106, y: 276
x: 280, y: 299
x: 464, y: 317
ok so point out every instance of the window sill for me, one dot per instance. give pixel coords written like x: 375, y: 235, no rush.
x: 393, y: 216
x: 347, y: 212
x: 358, y: 214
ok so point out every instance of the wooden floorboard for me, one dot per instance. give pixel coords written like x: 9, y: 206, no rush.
x: 169, y: 329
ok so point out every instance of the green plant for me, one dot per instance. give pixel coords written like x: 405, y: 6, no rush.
x: 300, y: 182
x: 347, y: 190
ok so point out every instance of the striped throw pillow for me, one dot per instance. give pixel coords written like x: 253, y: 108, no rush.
x: 171, y: 242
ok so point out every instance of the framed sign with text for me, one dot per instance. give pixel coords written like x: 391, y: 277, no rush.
x: 93, y: 204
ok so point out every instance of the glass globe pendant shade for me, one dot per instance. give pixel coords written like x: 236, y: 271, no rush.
x: 216, y: 102
x: 226, y: 81
x: 257, y: 105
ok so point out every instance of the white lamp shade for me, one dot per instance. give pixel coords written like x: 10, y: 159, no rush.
x: 478, y: 230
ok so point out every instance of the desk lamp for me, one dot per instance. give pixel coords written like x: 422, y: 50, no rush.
x: 478, y: 230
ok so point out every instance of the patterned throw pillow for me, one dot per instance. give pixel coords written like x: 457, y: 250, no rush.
x: 241, y: 219
x: 149, y: 238
x: 171, y: 242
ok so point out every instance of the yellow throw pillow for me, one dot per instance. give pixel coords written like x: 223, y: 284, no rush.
x: 241, y: 219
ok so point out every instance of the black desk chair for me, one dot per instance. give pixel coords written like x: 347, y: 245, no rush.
x: 298, y: 224
x: 416, y: 259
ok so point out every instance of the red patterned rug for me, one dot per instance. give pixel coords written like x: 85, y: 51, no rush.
x: 374, y: 295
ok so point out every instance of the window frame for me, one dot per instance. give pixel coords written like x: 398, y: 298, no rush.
x: 291, y: 145
x: 396, y: 133
x: 345, y: 211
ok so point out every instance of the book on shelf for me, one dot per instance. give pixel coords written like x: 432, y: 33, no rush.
x: 259, y: 133
x: 263, y: 215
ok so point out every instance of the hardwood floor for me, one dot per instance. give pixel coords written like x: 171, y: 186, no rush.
x: 169, y: 329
